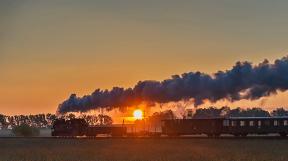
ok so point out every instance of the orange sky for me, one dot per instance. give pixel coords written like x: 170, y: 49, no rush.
x: 50, y: 49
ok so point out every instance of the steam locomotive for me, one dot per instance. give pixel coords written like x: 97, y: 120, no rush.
x: 79, y: 127
x: 212, y: 127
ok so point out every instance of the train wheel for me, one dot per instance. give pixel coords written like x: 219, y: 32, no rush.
x: 173, y: 135
x: 210, y: 135
x: 54, y: 133
x: 283, y: 134
x: 236, y: 135
x: 244, y: 135
x: 216, y: 135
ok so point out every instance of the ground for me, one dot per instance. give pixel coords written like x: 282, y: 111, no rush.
x: 146, y: 149
x: 44, y: 132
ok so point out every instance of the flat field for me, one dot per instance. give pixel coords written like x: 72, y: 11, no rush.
x: 143, y: 149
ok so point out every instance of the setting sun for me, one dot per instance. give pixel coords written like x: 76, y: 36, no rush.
x: 138, y: 114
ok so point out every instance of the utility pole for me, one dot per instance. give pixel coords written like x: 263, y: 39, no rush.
x: 101, y: 118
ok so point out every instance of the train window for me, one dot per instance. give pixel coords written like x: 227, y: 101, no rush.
x: 251, y: 123
x: 259, y: 123
x: 233, y: 123
x: 226, y: 123
x: 275, y: 123
x: 285, y: 123
x: 242, y: 123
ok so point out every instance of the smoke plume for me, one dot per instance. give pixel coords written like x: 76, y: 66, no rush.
x: 243, y: 81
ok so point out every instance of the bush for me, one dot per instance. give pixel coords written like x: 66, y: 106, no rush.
x: 25, y: 130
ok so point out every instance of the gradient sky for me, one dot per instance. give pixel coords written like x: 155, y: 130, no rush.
x: 52, y: 48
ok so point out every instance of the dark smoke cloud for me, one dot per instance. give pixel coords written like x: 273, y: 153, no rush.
x: 243, y: 81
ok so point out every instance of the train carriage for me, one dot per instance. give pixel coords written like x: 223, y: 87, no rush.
x: 237, y: 126
x: 257, y: 125
x: 176, y: 127
x: 109, y: 130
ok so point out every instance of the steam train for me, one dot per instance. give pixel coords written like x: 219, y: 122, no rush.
x: 79, y: 127
x: 212, y: 127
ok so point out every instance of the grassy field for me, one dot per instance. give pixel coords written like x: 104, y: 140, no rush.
x: 196, y: 149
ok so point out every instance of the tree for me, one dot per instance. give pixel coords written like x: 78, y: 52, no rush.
x: 25, y: 130
x: 90, y: 119
x: 50, y: 118
x: 154, y: 121
x: 207, y: 112
x: 3, y: 122
x: 279, y: 112
x: 105, y: 119
x: 158, y: 116
x: 249, y: 112
x: 71, y: 116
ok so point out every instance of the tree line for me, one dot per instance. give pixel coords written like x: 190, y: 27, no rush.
x: 46, y: 120
x: 238, y: 112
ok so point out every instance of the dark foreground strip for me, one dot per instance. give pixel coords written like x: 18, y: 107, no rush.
x: 162, y: 137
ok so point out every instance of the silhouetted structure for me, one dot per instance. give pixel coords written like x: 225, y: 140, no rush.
x: 79, y: 127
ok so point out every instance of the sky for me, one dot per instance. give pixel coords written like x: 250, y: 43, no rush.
x: 50, y: 49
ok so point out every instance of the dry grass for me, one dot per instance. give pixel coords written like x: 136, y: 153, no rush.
x: 25, y: 149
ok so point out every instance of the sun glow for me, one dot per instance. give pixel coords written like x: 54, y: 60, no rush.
x: 138, y: 114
